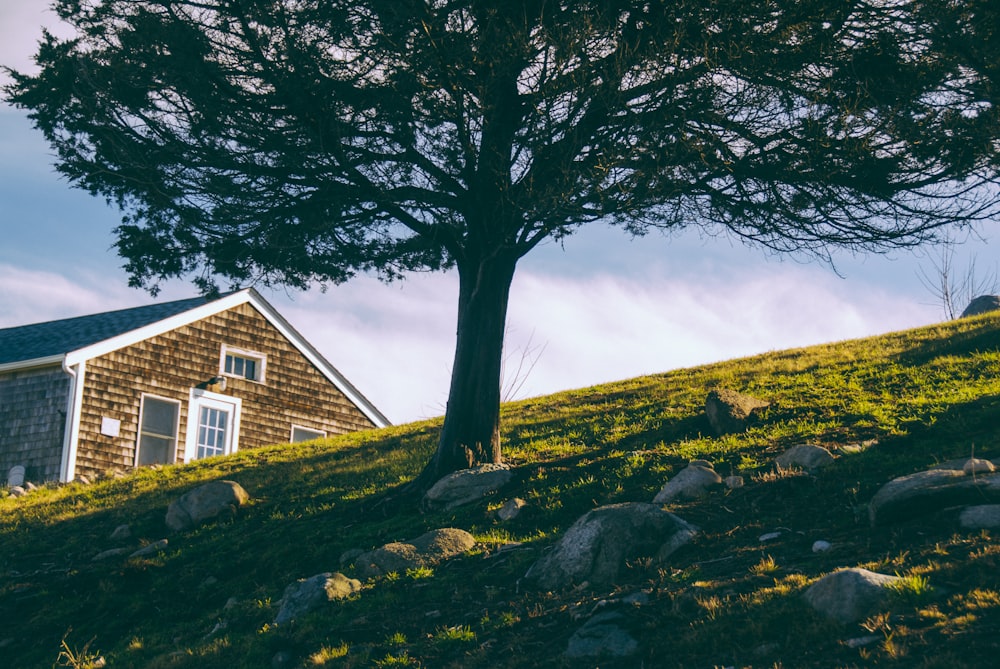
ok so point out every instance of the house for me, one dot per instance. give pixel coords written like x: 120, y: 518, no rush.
x: 165, y: 383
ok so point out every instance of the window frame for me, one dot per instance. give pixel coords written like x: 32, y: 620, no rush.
x: 319, y: 434
x: 199, y: 398
x: 139, y: 428
x: 259, y: 359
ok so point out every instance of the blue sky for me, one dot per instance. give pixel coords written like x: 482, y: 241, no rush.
x: 601, y: 307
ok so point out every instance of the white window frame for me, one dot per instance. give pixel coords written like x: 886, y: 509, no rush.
x: 319, y: 434
x: 138, y: 429
x: 259, y: 359
x: 207, y: 398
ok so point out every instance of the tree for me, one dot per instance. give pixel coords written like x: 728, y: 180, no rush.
x: 301, y: 141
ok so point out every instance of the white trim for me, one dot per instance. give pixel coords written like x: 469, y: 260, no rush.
x: 191, y: 433
x: 138, y: 427
x: 74, y: 406
x: 259, y: 358
x: 47, y: 361
x: 320, y: 434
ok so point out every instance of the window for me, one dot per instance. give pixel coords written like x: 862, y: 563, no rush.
x: 157, y: 442
x: 300, y: 433
x: 242, y: 364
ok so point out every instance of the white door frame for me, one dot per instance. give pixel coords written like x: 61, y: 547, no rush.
x: 200, y: 398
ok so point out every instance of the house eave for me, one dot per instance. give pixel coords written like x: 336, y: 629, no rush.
x: 34, y: 363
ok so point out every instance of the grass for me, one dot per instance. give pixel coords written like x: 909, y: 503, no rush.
x: 887, y: 406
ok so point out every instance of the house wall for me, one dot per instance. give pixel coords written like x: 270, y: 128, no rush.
x: 33, y: 421
x: 170, y: 365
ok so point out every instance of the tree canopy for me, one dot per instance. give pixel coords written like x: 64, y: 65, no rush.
x: 301, y: 141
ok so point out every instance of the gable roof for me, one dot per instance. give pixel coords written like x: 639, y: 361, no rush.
x: 44, y: 340
x: 71, y: 341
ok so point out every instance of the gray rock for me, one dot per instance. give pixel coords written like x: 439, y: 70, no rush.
x: 805, y: 456
x: 980, y: 517
x: 511, y: 509
x: 426, y: 550
x: 282, y: 659
x: 110, y: 553
x: 821, y: 546
x: 18, y: 491
x: 204, y: 503
x: 121, y: 533
x: 690, y: 483
x: 466, y: 486
x: 733, y: 482
x: 602, y: 636
x: 730, y: 411
x: 151, y: 549
x: 930, y: 491
x: 981, y: 305
x: 848, y: 595
x: 597, y: 546
x: 307, y: 594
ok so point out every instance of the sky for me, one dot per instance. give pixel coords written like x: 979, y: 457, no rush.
x: 599, y: 307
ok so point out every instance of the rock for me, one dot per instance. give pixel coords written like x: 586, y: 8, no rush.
x: 821, y: 546
x: 110, y: 553
x: 692, y: 482
x: 733, y: 482
x: 978, y: 466
x: 768, y: 536
x: 862, y: 641
x: 427, y: 549
x: 981, y: 305
x: 730, y: 411
x: 511, y: 509
x: 466, y: 486
x: 204, y: 503
x: 151, y: 549
x: 282, y: 659
x: 602, y: 636
x: 848, y: 595
x: 18, y: 491
x: 931, y: 491
x: 980, y: 517
x: 121, y: 533
x: 350, y: 555
x: 307, y: 594
x: 596, y: 548
x: 15, y: 476
x: 805, y: 456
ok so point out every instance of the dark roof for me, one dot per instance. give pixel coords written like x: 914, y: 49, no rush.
x: 41, y: 340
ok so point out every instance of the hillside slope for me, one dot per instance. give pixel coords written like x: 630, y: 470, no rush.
x: 912, y: 399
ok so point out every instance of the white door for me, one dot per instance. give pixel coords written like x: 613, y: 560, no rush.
x: 213, y: 425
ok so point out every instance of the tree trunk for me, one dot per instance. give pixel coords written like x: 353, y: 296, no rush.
x: 471, y: 432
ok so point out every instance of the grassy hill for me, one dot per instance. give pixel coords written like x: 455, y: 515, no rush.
x: 911, y: 399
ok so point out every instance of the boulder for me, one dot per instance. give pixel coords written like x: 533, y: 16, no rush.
x: 150, y: 549
x: 596, y: 548
x: 982, y: 305
x: 204, y: 503
x: 805, y: 456
x: 848, y: 595
x: 427, y: 549
x: 694, y: 481
x: 729, y: 411
x: 466, y: 486
x: 602, y: 636
x: 931, y: 491
x: 980, y: 517
x: 307, y: 594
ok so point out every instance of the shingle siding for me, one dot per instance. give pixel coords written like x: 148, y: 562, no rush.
x: 169, y: 365
x: 33, y: 421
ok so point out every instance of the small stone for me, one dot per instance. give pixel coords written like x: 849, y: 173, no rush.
x: 83, y: 479
x: 821, y: 546
x: 282, y: 659
x: 30, y: 487
x: 511, y: 509
x: 977, y: 466
x: 807, y: 456
x: 121, y: 533
x: 848, y: 595
x: 690, y: 483
x: 18, y: 491
x: 861, y: 641
x: 602, y: 636
x: 231, y: 603
x: 733, y: 482
x: 151, y: 549
x: 113, y: 552
x: 769, y: 536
